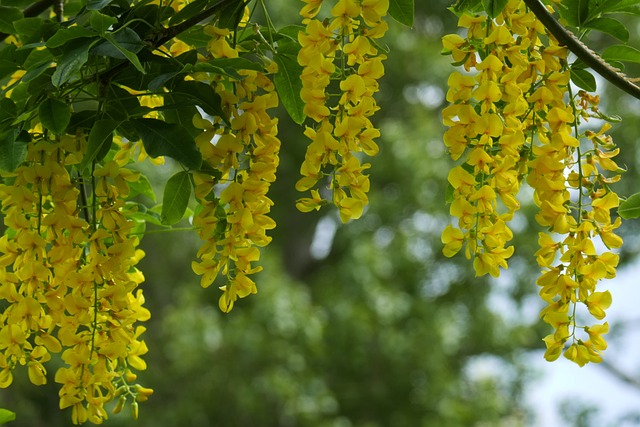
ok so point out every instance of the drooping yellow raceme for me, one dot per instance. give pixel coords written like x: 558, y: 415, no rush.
x: 234, y: 220
x: 342, y: 50
x: 512, y: 115
x: 69, y: 278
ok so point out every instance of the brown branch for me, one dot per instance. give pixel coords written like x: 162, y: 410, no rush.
x: 33, y: 10
x: 589, y: 57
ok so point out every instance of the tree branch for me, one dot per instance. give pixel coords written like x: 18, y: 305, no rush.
x: 589, y: 57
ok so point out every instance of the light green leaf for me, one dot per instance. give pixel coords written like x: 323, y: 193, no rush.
x: 72, y: 60
x: 6, y: 416
x: 168, y: 139
x: 129, y: 54
x: 101, y: 22
x: 630, y: 208
x: 621, y: 52
x: 574, y: 11
x: 99, y: 142
x: 176, y: 197
x: 142, y: 186
x: 288, y: 85
x: 613, y: 6
x: 610, y: 26
x: 494, y: 7
x: 54, y: 115
x: 402, y: 11
x: 12, y: 151
x: 7, y: 16
x: 583, y: 79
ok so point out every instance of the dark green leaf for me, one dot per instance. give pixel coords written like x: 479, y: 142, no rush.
x: 28, y: 26
x: 622, y: 53
x: 494, y: 7
x: 8, y: 110
x: 125, y: 52
x: 176, y: 197
x: 72, y: 60
x: 630, y: 208
x: 583, y: 79
x: 101, y: 22
x: 470, y: 6
x: 99, y: 142
x: 97, y: 4
x: 63, y: 35
x: 189, y: 11
x: 143, y: 187
x: 402, y: 11
x: 204, y: 95
x: 6, y: 416
x: 194, y: 36
x: 12, y: 151
x: 610, y: 26
x: 230, y: 15
x: 54, y: 115
x: 288, y: 85
x: 7, y: 67
x: 168, y: 139
x: 7, y: 16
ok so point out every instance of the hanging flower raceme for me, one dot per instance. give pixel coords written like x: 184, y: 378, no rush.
x: 343, y: 129
x: 513, y: 114
x: 70, y: 280
x: 233, y: 220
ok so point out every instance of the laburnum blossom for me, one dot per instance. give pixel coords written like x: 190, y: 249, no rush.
x: 69, y: 279
x: 233, y: 222
x: 513, y: 117
x: 342, y: 48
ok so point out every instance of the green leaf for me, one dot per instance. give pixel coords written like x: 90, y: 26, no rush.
x: 99, y: 142
x: 97, y: 4
x: 613, y: 6
x: 194, y: 36
x: 176, y: 197
x: 142, y: 186
x: 6, y: 416
x: 462, y: 6
x: 621, y: 52
x: 630, y: 208
x: 75, y: 56
x: 575, y: 12
x: 28, y: 26
x: 189, y: 11
x: 610, y: 26
x: 583, y: 79
x: 133, y: 45
x: 494, y: 7
x: 12, y: 151
x: 63, y: 35
x: 204, y: 95
x: 230, y: 15
x: 54, y: 115
x: 168, y: 139
x: 402, y: 11
x: 7, y: 16
x: 101, y: 22
x: 288, y: 85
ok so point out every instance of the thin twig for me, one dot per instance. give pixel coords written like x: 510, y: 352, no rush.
x: 589, y: 57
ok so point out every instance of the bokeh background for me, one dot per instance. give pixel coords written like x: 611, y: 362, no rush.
x: 368, y: 324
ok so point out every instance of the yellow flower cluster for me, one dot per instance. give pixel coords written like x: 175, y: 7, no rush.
x: 343, y: 129
x: 512, y: 115
x: 233, y: 218
x: 68, y: 279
